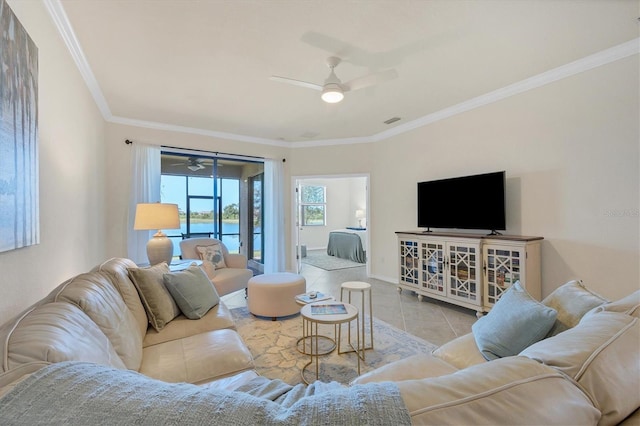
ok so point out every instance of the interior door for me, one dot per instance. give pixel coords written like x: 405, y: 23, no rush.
x: 298, y: 227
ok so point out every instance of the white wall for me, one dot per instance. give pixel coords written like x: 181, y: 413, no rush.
x: 571, y: 153
x: 72, y: 179
x: 344, y: 196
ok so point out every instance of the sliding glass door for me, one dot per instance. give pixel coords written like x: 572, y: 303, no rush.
x: 217, y: 198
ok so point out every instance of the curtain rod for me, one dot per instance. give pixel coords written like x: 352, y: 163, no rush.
x: 129, y: 142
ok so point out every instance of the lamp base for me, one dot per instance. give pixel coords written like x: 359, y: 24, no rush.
x: 160, y: 249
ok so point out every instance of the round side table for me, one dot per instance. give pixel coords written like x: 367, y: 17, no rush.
x: 312, y: 319
x: 329, y: 344
x: 364, y: 289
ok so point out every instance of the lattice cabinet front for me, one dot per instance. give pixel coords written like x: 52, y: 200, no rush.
x: 409, y: 263
x: 433, y: 267
x: 468, y: 270
x: 503, y: 268
x: 464, y: 261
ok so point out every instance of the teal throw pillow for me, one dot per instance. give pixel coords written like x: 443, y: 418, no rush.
x: 194, y: 294
x: 516, y: 321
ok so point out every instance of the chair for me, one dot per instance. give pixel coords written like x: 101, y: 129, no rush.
x: 226, y: 280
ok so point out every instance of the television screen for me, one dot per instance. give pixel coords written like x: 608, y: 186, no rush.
x: 466, y: 202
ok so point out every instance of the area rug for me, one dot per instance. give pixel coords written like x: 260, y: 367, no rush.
x: 273, y: 346
x: 320, y: 259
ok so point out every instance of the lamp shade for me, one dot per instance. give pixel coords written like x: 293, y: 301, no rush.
x: 360, y: 214
x: 156, y: 216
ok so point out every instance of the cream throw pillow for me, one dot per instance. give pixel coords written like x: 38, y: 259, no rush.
x: 157, y: 301
x: 212, y: 253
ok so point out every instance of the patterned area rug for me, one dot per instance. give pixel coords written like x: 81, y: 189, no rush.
x: 273, y: 346
x: 320, y: 259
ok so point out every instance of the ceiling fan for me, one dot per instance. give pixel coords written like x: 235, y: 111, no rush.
x: 193, y: 163
x: 333, y: 89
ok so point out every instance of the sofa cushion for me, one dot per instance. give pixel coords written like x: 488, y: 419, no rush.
x: 461, y: 352
x: 572, y: 300
x: 601, y: 354
x: 94, y: 293
x: 414, y: 367
x: 515, y: 322
x: 197, y: 359
x: 212, y: 253
x: 157, y: 301
x: 218, y: 318
x: 507, y: 391
x: 192, y: 291
x: 57, y: 332
x: 117, y: 268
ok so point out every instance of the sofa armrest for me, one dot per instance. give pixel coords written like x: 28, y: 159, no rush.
x: 236, y: 260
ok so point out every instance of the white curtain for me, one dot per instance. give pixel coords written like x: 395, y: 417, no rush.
x: 274, y: 257
x: 145, y: 188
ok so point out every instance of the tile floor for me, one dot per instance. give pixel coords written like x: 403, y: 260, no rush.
x: 434, y: 321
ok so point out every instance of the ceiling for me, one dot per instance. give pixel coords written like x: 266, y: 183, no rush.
x: 205, y: 65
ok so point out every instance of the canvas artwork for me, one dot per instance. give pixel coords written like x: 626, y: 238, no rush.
x: 19, y: 212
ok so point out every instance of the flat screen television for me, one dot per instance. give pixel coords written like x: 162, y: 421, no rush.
x: 465, y: 202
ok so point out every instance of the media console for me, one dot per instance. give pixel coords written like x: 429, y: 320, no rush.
x: 468, y: 270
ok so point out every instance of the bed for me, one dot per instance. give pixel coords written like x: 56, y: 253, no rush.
x: 348, y: 244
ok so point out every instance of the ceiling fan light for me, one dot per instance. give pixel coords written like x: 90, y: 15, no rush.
x: 193, y: 167
x: 332, y: 93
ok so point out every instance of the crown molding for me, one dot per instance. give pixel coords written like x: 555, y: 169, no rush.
x: 612, y: 54
x: 603, y: 57
x: 197, y: 131
x: 61, y: 21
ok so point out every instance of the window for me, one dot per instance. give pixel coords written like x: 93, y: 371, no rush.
x: 313, y: 205
x: 212, y: 197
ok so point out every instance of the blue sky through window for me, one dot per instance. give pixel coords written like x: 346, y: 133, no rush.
x: 173, y: 190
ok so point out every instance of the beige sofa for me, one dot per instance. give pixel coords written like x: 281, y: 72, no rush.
x: 99, y: 317
x: 233, y: 277
x: 588, y: 373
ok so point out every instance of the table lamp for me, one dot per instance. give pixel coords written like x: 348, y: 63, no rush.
x: 158, y: 216
x: 360, y: 214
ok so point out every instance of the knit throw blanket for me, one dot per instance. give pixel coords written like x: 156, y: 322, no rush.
x: 78, y: 393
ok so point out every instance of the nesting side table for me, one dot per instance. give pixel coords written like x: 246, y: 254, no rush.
x: 312, y: 320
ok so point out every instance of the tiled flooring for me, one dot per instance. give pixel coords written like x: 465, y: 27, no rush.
x: 434, y: 321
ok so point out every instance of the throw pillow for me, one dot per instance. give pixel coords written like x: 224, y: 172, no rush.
x: 209, y: 269
x: 157, y: 301
x: 516, y: 321
x: 572, y: 300
x: 192, y: 291
x: 213, y: 253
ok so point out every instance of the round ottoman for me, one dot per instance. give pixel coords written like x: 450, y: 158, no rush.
x: 274, y: 295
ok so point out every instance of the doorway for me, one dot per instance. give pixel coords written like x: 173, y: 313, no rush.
x: 325, y: 204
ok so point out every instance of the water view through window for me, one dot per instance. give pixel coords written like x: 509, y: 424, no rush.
x: 211, y: 207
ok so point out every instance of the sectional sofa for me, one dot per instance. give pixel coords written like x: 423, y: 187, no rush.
x: 96, y: 327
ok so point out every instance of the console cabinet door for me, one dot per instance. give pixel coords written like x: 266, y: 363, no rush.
x: 464, y: 272
x: 409, y: 262
x: 433, y: 267
x: 504, y: 265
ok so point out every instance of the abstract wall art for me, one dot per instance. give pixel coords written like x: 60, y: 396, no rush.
x: 19, y: 207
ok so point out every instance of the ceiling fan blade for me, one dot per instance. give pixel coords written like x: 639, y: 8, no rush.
x: 296, y: 82
x: 370, y: 80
